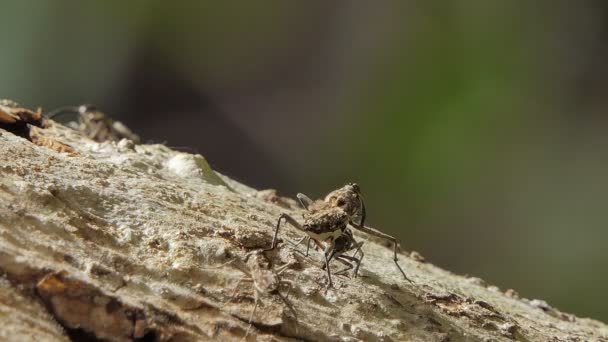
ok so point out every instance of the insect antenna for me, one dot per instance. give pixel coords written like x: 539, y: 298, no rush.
x: 63, y: 111
x: 362, y: 223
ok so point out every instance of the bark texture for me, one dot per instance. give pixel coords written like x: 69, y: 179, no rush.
x: 118, y: 241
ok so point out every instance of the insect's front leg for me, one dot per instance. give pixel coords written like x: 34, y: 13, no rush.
x: 363, y: 214
x: 62, y: 110
x: 287, y: 219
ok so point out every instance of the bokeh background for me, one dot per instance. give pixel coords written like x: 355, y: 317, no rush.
x: 476, y: 129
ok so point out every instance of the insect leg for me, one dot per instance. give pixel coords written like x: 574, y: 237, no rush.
x: 329, y: 249
x: 331, y: 256
x: 255, y: 306
x: 376, y: 232
x: 284, y: 298
x: 282, y: 269
x: 343, y: 259
x: 357, y: 261
x: 289, y: 220
x: 62, y: 110
x: 308, y: 246
x: 347, y: 246
x: 360, y: 244
x: 363, y: 214
x: 295, y: 245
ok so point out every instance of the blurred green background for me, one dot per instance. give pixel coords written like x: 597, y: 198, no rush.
x: 476, y: 129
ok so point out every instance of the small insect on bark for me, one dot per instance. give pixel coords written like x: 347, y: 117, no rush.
x: 94, y: 124
x: 326, y: 221
x: 265, y: 280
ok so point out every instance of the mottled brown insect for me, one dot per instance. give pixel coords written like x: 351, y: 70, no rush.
x: 326, y: 221
x: 264, y: 279
x: 95, y: 124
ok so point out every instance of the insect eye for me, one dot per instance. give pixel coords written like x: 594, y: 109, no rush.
x: 340, y: 202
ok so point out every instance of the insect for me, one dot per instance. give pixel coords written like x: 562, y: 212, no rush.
x: 265, y: 281
x: 95, y: 124
x: 345, y: 243
x: 326, y: 221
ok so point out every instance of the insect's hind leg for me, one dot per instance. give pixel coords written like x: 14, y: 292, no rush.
x: 290, y: 285
x: 255, y: 306
x: 285, y: 299
x: 343, y: 260
x: 347, y: 259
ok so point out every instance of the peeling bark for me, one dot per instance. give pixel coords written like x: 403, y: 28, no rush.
x: 119, y: 241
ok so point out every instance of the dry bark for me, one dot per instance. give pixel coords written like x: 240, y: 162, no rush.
x: 118, y: 241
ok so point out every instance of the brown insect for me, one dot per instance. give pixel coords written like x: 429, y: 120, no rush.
x: 95, y: 124
x: 265, y: 281
x: 326, y: 221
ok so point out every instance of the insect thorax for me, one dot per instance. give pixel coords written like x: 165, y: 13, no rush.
x: 345, y: 242
x: 324, y: 221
